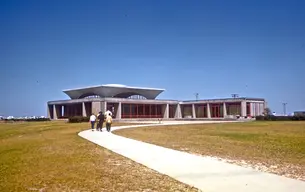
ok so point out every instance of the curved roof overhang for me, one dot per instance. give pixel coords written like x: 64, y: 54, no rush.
x: 119, y: 91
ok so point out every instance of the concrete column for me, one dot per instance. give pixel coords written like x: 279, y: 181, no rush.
x: 96, y: 107
x: 48, y: 111
x: 63, y: 108
x: 243, y: 108
x: 84, y: 112
x: 252, y: 107
x: 224, y: 110
x: 256, y: 109
x: 65, y: 111
x: 60, y: 111
x: 166, y: 111
x: 104, y: 106
x: 262, y: 108
x: 55, y: 112
x: 119, y: 111
x: 193, y: 111
x: 178, y: 112
x: 208, y: 110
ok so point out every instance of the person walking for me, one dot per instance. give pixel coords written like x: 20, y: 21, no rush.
x: 100, y: 122
x: 92, y: 121
x: 108, y: 112
x: 108, y: 122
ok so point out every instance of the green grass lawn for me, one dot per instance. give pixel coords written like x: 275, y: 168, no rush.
x: 50, y: 156
x: 279, y: 145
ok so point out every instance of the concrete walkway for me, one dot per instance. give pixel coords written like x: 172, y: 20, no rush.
x: 204, y: 173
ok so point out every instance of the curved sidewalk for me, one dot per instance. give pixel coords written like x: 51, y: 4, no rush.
x: 204, y: 173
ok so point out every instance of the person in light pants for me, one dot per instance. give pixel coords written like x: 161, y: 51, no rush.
x: 92, y: 121
x: 108, y: 122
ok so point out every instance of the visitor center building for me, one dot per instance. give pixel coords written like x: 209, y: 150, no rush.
x: 128, y: 102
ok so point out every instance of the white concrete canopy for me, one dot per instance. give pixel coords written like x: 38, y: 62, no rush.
x: 113, y: 90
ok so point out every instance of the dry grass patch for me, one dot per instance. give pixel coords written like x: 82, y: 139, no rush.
x: 277, y: 147
x: 49, y: 156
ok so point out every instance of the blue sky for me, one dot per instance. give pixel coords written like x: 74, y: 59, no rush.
x: 215, y: 48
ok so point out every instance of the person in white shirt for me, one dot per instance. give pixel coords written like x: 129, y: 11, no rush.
x: 92, y: 121
x: 108, y: 113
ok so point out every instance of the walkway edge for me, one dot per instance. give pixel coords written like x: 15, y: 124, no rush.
x: 204, y: 173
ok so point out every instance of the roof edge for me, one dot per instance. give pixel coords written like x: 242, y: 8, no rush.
x: 112, y: 86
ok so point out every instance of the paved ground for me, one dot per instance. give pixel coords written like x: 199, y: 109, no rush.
x: 205, y: 173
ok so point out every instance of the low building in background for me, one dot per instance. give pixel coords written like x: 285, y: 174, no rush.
x: 127, y: 102
x: 299, y: 113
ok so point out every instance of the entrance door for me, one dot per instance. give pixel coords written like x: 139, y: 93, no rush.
x: 216, y: 110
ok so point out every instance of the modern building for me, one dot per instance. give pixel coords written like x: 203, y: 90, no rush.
x: 140, y: 103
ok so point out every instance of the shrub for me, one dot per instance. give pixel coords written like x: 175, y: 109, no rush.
x: 260, y: 118
x: 28, y: 120
x: 78, y: 119
x: 39, y: 119
x: 298, y: 118
x: 280, y: 118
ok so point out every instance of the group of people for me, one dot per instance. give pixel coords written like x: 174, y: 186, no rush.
x: 99, y: 120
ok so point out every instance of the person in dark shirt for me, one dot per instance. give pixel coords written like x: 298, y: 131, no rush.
x: 101, y: 119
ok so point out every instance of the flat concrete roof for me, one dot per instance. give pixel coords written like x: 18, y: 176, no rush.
x: 228, y: 99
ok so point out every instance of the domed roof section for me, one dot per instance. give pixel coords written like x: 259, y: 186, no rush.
x: 113, y: 90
